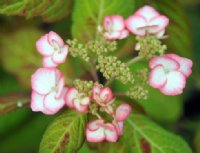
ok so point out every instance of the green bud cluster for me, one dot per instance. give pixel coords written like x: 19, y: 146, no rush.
x: 78, y: 50
x: 100, y: 47
x: 137, y: 92
x: 150, y: 46
x: 111, y: 68
x: 84, y: 86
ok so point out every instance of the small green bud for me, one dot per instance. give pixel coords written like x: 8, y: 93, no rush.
x: 150, y: 46
x: 78, y: 50
x: 111, y: 68
x: 137, y: 92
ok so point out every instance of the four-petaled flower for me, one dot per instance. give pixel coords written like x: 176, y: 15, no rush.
x: 147, y: 21
x: 98, y: 131
x: 76, y: 100
x: 169, y: 73
x: 48, y: 90
x: 53, y: 49
x: 103, y: 97
x: 114, y: 27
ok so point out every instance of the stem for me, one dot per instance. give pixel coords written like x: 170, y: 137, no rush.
x: 134, y: 60
x: 120, y: 94
x: 94, y: 72
x: 99, y: 117
x: 108, y: 82
x: 100, y: 13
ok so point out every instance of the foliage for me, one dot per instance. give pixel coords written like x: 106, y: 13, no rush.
x: 65, y: 133
x: 49, y: 10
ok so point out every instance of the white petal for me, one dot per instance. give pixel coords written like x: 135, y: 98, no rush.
x: 48, y: 62
x: 122, y: 112
x: 52, y: 36
x: 60, y: 56
x: 70, y: 96
x: 157, y: 77
x: 95, y: 136
x: 185, y: 64
x: 148, y: 12
x: 43, y: 46
x: 136, y: 24
x: 43, y: 80
x: 111, y: 133
x: 166, y: 62
x: 175, y: 83
x: 158, y: 24
x: 37, y: 102
x: 117, y: 23
x: 53, y: 104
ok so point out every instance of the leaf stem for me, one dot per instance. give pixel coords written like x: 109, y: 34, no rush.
x: 120, y: 94
x: 93, y: 72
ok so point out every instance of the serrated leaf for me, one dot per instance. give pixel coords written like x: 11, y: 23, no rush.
x: 65, y: 134
x: 50, y: 11
x: 144, y: 136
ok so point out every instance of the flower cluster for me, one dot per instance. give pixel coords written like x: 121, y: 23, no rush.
x: 50, y: 94
x: 145, y: 21
x: 168, y: 72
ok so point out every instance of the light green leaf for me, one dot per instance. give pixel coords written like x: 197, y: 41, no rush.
x: 65, y: 133
x: 49, y: 10
x: 142, y: 136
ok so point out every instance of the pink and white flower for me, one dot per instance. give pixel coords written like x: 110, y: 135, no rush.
x: 147, y: 20
x: 102, y: 96
x: 98, y: 131
x: 76, y: 100
x: 52, y: 48
x: 121, y: 114
x: 115, y: 27
x: 169, y: 73
x: 48, y: 90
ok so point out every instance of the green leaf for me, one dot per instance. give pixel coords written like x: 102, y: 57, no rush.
x: 12, y: 102
x: 144, y: 136
x: 23, y: 134
x: 89, y: 14
x: 49, y: 10
x: 197, y: 140
x: 65, y: 134
x: 179, y: 31
x: 19, y: 55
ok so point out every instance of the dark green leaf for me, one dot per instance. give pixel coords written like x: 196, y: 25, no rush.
x: 49, y: 10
